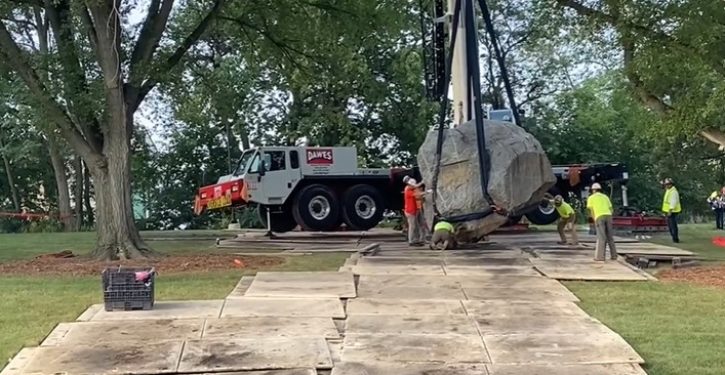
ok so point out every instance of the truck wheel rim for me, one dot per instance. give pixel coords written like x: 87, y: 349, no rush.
x: 319, y: 207
x: 546, y: 207
x: 365, y: 207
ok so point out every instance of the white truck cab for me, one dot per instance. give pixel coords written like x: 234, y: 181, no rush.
x: 318, y: 188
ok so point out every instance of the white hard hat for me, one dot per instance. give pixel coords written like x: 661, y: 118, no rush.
x: 412, y: 182
x: 406, y: 179
x: 596, y: 186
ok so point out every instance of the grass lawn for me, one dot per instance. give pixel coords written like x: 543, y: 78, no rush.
x: 697, y: 238
x: 677, y: 328
x: 28, y: 245
x: 30, y: 306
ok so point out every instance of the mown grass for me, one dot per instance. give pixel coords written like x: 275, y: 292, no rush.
x: 30, y: 306
x: 677, y: 328
x: 27, y: 245
x: 696, y: 238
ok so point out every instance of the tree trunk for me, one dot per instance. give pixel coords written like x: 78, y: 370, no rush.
x: 90, y: 219
x: 118, y: 237
x: 61, y: 180
x: 78, y: 193
x: 11, y: 180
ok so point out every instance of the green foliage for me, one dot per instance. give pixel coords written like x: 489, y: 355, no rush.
x: 601, y: 122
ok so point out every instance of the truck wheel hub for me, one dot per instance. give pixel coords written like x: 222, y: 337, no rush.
x: 365, y: 207
x: 546, y: 207
x: 319, y: 207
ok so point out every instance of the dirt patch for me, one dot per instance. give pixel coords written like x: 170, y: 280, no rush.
x: 81, y: 266
x: 707, y: 276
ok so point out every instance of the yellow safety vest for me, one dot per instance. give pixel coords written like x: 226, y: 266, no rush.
x: 666, y: 201
x: 443, y: 225
x: 600, y: 205
x: 565, y: 210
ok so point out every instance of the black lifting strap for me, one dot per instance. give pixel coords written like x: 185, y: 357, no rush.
x: 474, y: 88
x: 500, y: 59
x: 443, y: 111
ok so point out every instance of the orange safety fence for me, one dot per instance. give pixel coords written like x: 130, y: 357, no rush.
x: 34, y: 216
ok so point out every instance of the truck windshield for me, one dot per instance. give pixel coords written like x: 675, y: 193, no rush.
x: 243, y: 162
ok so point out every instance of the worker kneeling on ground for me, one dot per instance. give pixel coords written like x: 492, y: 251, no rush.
x: 567, y: 220
x: 443, y: 236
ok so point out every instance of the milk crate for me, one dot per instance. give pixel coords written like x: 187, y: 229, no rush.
x: 121, y: 290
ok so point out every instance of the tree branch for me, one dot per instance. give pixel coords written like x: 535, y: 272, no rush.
x: 14, y: 58
x: 149, y: 37
x: 647, y: 98
x: 90, y: 28
x: 618, y: 22
x: 74, y: 79
x: 136, y: 95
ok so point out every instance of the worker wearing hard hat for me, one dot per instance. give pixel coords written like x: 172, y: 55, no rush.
x: 567, y: 219
x: 717, y: 204
x: 411, y: 195
x: 443, y: 236
x: 671, y: 208
x: 600, y: 209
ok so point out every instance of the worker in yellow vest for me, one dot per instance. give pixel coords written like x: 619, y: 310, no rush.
x: 567, y: 220
x: 716, y: 200
x: 600, y: 209
x: 671, y: 208
x: 443, y: 236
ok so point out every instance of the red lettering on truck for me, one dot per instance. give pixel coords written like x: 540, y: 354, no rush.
x: 319, y: 157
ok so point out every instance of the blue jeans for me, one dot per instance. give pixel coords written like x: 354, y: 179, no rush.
x: 719, y: 218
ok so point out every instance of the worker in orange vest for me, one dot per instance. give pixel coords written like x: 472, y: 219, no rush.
x: 411, y: 196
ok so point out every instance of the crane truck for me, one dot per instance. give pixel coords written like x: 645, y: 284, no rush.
x: 320, y: 188
x: 317, y: 188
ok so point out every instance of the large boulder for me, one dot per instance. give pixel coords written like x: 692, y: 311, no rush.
x: 519, y: 177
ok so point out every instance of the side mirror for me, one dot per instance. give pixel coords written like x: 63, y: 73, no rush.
x: 262, y: 169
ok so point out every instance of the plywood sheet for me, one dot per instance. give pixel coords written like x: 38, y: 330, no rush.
x: 167, y: 310
x: 259, y: 306
x: 302, y: 284
x: 613, y: 369
x: 270, y: 372
x: 400, y: 261
x: 538, y: 324
x: 492, y: 308
x: 377, y: 306
x: 402, y: 292
x: 353, y: 368
x: 411, y: 324
x: 366, y: 348
x: 270, y: 326
x: 106, y: 358
x: 241, y: 287
x: 566, y: 270
x: 487, y: 261
x: 490, y: 271
x: 520, y: 294
x: 397, y: 270
x: 254, y: 354
x: 132, y: 330
x: 588, y: 348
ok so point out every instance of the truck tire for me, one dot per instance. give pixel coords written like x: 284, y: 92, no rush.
x: 281, y: 221
x: 362, y: 207
x: 316, y: 208
x: 545, y: 213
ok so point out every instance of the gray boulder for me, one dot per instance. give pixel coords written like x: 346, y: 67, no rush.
x: 520, y: 174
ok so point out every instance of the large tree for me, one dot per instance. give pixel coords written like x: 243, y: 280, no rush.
x: 107, y: 68
x: 671, y: 52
